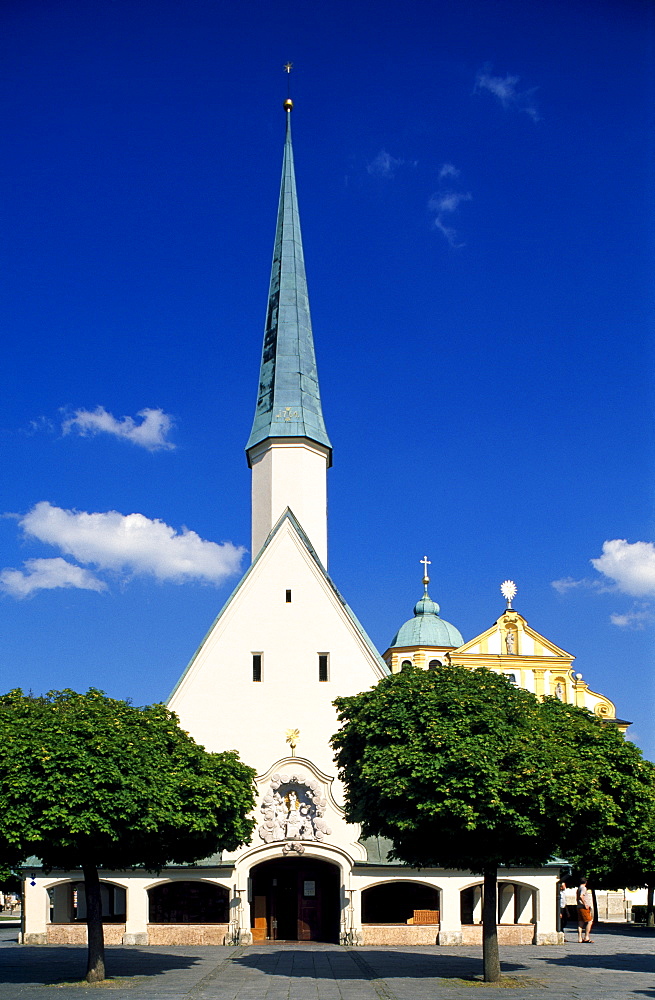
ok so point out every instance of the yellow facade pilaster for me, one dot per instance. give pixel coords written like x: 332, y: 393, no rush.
x: 539, y: 674
x: 579, y: 688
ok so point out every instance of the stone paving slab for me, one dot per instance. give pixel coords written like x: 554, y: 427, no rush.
x: 620, y: 965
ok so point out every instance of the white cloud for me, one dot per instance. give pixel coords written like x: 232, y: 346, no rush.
x: 444, y: 203
x: 448, y: 201
x: 448, y: 170
x: 638, y: 618
x: 568, y: 583
x: 630, y: 565
x: 150, y: 433
x: 384, y: 165
x: 449, y: 232
x: 129, y: 544
x: 47, y: 574
x: 627, y: 568
x: 506, y: 89
x: 502, y: 87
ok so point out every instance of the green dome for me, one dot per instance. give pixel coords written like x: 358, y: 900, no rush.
x: 426, y: 628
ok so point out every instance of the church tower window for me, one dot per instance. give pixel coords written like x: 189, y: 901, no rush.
x: 257, y: 667
x: 323, y: 667
x: 288, y: 597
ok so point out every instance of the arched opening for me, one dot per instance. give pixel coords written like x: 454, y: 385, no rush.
x: 189, y: 902
x: 295, y: 899
x: 68, y: 903
x: 400, y: 903
x: 516, y: 904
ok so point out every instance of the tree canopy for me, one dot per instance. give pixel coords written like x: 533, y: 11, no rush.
x: 463, y: 769
x: 620, y: 850
x: 88, y: 781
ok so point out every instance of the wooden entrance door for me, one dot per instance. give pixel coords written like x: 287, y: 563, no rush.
x: 295, y: 900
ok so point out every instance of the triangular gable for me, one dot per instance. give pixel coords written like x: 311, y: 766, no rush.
x: 477, y: 645
x: 289, y: 516
x: 260, y: 671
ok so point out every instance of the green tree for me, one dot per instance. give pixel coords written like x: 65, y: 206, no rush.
x: 461, y: 769
x: 620, y: 852
x: 90, y: 782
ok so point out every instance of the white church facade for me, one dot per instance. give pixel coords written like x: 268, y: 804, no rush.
x: 263, y: 682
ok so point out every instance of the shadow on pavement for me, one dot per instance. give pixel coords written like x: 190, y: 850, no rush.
x: 367, y: 963
x: 620, y: 930
x: 619, y: 961
x: 46, y: 966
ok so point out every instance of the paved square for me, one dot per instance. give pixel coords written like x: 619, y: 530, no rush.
x: 619, y: 966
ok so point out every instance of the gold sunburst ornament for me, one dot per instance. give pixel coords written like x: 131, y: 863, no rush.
x: 292, y: 737
x: 508, y: 590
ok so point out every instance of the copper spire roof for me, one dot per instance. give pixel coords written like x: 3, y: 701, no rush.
x: 288, y: 401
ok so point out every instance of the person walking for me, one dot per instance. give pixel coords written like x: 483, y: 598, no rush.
x: 563, y: 912
x: 585, y: 905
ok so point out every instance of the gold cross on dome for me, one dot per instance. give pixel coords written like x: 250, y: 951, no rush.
x: 287, y: 67
x: 425, y: 562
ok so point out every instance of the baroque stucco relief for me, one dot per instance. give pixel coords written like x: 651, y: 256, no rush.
x: 293, y: 808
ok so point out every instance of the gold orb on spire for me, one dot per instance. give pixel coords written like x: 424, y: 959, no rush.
x: 288, y: 105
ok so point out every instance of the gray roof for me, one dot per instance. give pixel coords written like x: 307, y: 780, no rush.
x: 288, y: 401
x: 377, y: 851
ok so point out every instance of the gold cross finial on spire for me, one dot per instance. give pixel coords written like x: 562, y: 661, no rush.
x: 288, y: 104
x: 425, y: 562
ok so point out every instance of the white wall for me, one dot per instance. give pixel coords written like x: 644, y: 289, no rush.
x: 217, y: 700
x: 290, y: 473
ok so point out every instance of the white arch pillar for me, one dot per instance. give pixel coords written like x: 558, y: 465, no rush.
x: 450, y: 930
x: 545, y: 916
x: 352, y: 932
x: 239, y: 931
x: 36, y: 912
x: 137, y: 913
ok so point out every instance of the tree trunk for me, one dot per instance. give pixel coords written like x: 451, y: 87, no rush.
x: 490, y: 959
x: 95, y: 969
x: 650, y: 912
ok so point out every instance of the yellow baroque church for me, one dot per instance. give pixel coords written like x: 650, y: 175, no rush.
x: 263, y: 682
x: 510, y: 647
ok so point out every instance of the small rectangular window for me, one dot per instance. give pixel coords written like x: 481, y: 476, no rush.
x: 323, y: 666
x: 288, y: 597
x: 257, y: 667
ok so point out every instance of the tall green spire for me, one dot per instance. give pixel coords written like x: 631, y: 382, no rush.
x: 289, y: 401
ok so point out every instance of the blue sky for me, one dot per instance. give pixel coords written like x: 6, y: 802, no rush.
x: 476, y: 193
